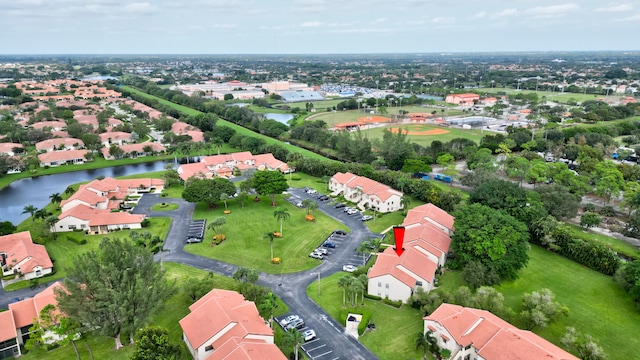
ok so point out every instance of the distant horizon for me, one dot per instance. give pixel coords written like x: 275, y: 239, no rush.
x: 280, y: 27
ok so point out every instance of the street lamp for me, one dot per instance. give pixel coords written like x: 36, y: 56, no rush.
x: 317, y: 273
x: 377, y: 83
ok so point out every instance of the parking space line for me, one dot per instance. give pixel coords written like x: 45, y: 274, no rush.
x: 316, y: 348
x: 328, y: 352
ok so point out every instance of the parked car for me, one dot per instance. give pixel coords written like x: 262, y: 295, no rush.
x: 349, y: 268
x: 352, y: 211
x: 329, y: 244
x: 323, y: 198
x: 316, y: 255
x: 340, y: 232
x: 309, y: 335
x: 339, y: 205
x: 311, y: 192
x: 347, y: 209
x: 288, y: 319
x: 295, y: 324
x: 366, y: 217
x: 193, y: 240
x: 321, y: 250
x: 299, y: 204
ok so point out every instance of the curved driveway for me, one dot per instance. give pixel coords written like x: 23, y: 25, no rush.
x: 291, y: 288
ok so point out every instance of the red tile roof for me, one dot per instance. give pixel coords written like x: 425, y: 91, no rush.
x: 493, y: 337
x: 246, y: 349
x: 64, y: 155
x: 369, y: 187
x: 188, y: 170
x: 420, y: 213
x: 19, y: 247
x: 400, y: 267
x: 7, y: 331
x: 28, y: 309
x: 54, y: 143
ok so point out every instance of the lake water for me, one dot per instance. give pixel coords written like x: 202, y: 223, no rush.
x: 36, y: 191
x: 282, y: 118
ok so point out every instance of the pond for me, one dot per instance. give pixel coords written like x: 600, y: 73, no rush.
x: 281, y: 118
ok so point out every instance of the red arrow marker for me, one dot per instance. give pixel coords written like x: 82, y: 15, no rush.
x: 398, y: 233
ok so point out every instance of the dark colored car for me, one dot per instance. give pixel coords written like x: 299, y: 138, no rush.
x: 329, y: 244
x: 340, y: 205
x: 340, y: 232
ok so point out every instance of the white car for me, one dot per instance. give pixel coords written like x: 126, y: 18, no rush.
x: 309, y: 335
x: 349, y: 268
x: 322, y: 251
x: 311, y: 192
x: 284, y: 322
x: 316, y: 255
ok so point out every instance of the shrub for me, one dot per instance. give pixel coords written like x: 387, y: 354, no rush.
x: 594, y: 256
x: 395, y: 304
x: 589, y: 207
x: 276, y: 260
x: 155, y: 249
x: 77, y: 241
x: 607, y: 211
x: 295, y: 178
x: 218, y: 238
x: 145, y: 223
x: 372, y: 297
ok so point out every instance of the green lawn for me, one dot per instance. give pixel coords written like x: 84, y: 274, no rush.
x: 245, y: 228
x: 332, y: 118
x: 164, y: 207
x: 597, y: 305
x: 239, y: 129
x: 396, y: 329
x: 301, y: 180
x: 176, y: 308
x: 619, y: 246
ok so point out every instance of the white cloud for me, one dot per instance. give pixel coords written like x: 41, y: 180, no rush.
x: 480, y: 15
x: 552, y: 11
x: 140, y: 8
x: 443, y: 20
x: 312, y: 24
x: 505, y: 13
x: 635, y: 17
x: 379, y: 20
x: 615, y: 8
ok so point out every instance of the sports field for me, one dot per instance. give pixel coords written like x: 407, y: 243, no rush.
x: 423, y: 134
x: 332, y: 118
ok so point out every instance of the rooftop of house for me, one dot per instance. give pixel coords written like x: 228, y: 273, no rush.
x: 367, y: 186
x: 420, y: 213
x: 406, y: 267
x: 62, y: 155
x: 19, y: 247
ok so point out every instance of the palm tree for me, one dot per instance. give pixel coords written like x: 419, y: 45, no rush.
x: 313, y: 206
x: 217, y: 223
x: 363, y: 249
x: 281, y: 214
x: 343, y: 282
x: 69, y: 190
x: 433, y: 345
x: 405, y: 201
x: 269, y: 235
x: 402, y: 182
x: 51, y: 222
x: 294, y: 338
x: 224, y: 197
x: 55, y: 198
x: 364, y: 280
x: 307, y: 204
x: 421, y: 342
x: 242, y: 197
x: 355, y: 287
x: 217, y: 142
x: 269, y: 303
x: 30, y: 209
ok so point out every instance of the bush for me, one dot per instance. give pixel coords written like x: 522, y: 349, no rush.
x: 295, y: 178
x: 366, y: 316
x: 589, y: 208
x: 395, y: 304
x: 145, y: 223
x: 372, y: 297
x: 594, y: 256
x: 77, y: 241
x: 607, y: 211
x: 155, y: 249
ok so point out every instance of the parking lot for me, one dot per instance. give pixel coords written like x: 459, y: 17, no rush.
x: 316, y: 349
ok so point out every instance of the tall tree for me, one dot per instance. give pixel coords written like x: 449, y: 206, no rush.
x: 207, y: 190
x: 281, y: 214
x: 114, y: 289
x: 540, y: 308
x: 293, y: 338
x: 585, y: 345
x: 216, y: 224
x: 269, y: 303
x: 270, y: 236
x: 242, y: 197
x: 492, y: 237
x: 224, y: 197
x: 270, y: 183
x: 55, y: 198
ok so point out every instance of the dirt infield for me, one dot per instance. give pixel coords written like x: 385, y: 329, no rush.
x: 424, y: 132
x: 373, y: 119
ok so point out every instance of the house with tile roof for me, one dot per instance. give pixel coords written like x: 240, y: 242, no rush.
x: 17, y: 320
x: 224, y: 165
x: 470, y: 333
x: 223, y: 325
x: 57, y: 158
x: 181, y: 128
x: 7, y: 148
x: 366, y: 193
x: 91, y: 208
x: 134, y: 150
x: 426, y: 246
x: 462, y: 99
x: 59, y: 144
x: 115, y: 137
x: 19, y: 255
x: 53, y: 125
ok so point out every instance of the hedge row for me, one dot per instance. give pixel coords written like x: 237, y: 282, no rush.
x: 594, y: 256
x: 366, y: 316
x: 77, y: 241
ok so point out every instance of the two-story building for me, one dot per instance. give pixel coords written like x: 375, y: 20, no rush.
x: 366, y: 193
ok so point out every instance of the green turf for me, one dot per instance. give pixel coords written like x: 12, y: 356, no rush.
x: 425, y: 140
x: 395, y: 331
x: 245, y: 228
x: 549, y: 95
x: 164, y: 207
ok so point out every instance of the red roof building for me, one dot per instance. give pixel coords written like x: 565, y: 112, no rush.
x: 223, y: 325
x: 365, y: 192
x: 19, y: 255
x: 462, y: 99
x: 224, y: 164
x: 479, y: 334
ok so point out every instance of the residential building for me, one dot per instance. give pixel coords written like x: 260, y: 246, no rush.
x: 56, y: 158
x: 53, y: 125
x: 59, y: 144
x: 470, y: 333
x: 462, y: 99
x: 93, y: 208
x: 426, y: 244
x: 19, y: 255
x: 181, y: 128
x: 17, y: 320
x: 365, y: 192
x: 115, y: 137
x: 134, y: 150
x: 7, y: 148
x: 224, y: 165
x: 223, y: 325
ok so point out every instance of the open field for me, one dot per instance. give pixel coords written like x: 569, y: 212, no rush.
x: 425, y: 140
x: 549, y: 95
x: 597, y: 305
x: 246, y: 245
x: 333, y: 118
x: 239, y: 129
x: 396, y: 329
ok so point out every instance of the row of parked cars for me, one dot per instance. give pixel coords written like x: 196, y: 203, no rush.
x: 352, y: 211
x: 195, y: 234
x: 296, y: 322
x: 322, y: 251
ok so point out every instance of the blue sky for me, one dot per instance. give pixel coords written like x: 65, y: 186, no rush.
x: 315, y: 26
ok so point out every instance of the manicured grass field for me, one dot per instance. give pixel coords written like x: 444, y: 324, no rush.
x: 551, y: 96
x: 396, y: 329
x: 239, y: 129
x: 245, y: 244
x: 164, y: 207
x: 425, y: 140
x: 332, y: 118
x: 597, y: 305
x: 619, y: 246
